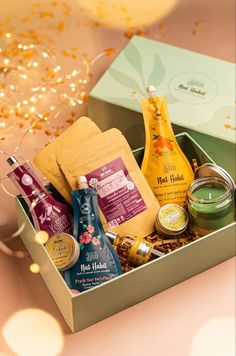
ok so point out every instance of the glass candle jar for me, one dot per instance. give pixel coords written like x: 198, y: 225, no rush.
x: 210, y: 204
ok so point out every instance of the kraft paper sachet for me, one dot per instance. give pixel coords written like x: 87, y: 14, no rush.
x: 126, y: 202
x: 46, y: 159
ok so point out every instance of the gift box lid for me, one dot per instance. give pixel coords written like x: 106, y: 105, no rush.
x: 200, y: 90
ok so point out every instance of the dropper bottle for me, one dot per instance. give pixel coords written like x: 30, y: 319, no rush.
x: 134, y: 250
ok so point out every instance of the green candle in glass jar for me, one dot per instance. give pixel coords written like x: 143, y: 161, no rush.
x: 209, y: 192
x: 210, y: 204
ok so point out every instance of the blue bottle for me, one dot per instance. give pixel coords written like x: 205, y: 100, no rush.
x: 98, y: 261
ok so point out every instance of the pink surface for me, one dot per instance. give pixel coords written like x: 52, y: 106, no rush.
x: 168, y: 324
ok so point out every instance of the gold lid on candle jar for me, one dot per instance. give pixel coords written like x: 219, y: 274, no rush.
x: 171, y: 219
x: 63, y: 249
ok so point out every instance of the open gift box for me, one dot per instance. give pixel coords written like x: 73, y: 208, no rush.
x: 89, y: 307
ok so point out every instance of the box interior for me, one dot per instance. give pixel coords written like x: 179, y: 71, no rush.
x: 79, y: 309
x: 188, y: 145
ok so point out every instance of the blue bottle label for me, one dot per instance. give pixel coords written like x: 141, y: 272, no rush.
x: 98, y: 261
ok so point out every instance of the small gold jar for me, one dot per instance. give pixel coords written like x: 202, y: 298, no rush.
x: 64, y: 250
x: 172, y: 219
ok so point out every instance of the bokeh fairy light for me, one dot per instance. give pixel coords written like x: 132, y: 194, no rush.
x: 33, y: 332
x: 34, y: 268
x: 37, y: 87
x: 127, y: 14
x: 39, y: 81
x: 208, y: 339
x: 41, y: 237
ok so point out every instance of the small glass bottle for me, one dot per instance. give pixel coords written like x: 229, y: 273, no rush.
x: 134, y: 250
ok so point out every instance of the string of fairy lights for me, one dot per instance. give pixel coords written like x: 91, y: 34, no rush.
x: 41, y: 83
x: 31, y: 80
x: 39, y: 86
x: 40, y: 78
x: 65, y: 90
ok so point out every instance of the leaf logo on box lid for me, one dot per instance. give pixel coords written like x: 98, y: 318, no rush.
x: 139, y: 84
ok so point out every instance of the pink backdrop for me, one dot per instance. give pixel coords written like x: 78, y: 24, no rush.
x: 181, y: 320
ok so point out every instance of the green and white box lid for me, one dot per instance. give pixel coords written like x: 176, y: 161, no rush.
x: 200, y: 90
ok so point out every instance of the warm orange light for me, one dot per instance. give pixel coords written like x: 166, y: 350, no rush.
x: 41, y: 237
x: 127, y: 13
x: 34, y: 268
x: 217, y: 337
x: 33, y: 332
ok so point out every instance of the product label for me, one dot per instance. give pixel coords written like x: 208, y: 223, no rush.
x: 94, y: 267
x: 171, y: 178
x: 140, y: 252
x: 96, y: 263
x: 48, y: 214
x: 193, y: 88
x: 61, y: 249
x: 171, y: 188
x: 118, y: 197
x: 173, y: 217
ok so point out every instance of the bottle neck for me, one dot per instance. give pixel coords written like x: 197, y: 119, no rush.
x: 15, y: 165
x: 82, y: 182
x: 83, y: 185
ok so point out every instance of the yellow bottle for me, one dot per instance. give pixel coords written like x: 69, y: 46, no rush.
x: 164, y: 165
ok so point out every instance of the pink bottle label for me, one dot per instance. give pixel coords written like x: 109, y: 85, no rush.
x: 118, y: 196
x: 47, y: 213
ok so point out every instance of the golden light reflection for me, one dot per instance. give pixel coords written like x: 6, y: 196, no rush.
x: 41, y: 237
x: 30, y: 60
x: 215, y: 338
x: 34, y: 268
x: 33, y: 332
x: 127, y: 14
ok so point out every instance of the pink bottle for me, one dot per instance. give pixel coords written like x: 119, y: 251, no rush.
x: 47, y: 213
